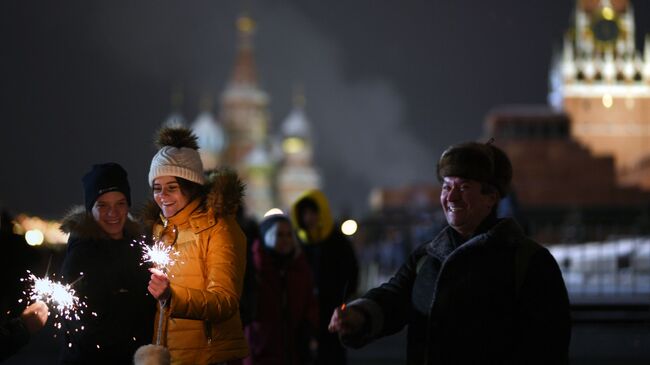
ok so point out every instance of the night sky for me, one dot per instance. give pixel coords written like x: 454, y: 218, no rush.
x: 388, y: 84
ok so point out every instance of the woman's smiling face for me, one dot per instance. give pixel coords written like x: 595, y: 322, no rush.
x: 168, y: 195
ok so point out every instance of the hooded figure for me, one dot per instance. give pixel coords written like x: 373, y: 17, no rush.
x: 287, y: 314
x: 104, y: 262
x: 334, y: 266
x: 481, y: 292
x: 198, y: 298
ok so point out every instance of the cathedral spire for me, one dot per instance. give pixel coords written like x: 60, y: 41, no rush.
x: 175, y: 119
x: 296, y: 124
x: 298, y: 96
x: 245, y: 117
x: 210, y: 134
x: 297, y: 173
x: 244, y: 72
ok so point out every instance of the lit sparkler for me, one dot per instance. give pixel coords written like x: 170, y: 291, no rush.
x: 60, y: 296
x: 160, y: 254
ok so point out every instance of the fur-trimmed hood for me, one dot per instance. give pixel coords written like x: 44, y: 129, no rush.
x: 81, y: 225
x: 225, y: 192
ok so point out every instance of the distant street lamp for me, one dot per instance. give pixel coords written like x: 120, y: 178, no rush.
x: 34, y: 237
x: 349, y: 227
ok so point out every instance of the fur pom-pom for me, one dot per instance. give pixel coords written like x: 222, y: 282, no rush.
x: 176, y: 137
x: 152, y: 355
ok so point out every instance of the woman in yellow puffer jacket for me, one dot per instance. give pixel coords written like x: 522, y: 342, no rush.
x: 198, y: 312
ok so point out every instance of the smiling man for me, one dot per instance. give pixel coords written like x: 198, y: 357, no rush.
x: 481, y: 292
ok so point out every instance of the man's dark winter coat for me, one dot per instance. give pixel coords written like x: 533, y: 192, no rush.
x: 477, y: 302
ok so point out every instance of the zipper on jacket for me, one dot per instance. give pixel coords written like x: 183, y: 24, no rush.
x: 207, y: 327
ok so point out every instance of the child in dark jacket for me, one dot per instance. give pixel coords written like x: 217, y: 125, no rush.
x: 101, y: 251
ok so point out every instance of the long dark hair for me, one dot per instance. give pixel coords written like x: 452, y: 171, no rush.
x: 191, y: 189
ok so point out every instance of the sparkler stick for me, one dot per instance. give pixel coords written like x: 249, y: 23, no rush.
x: 162, y: 256
x: 345, y: 294
x: 47, y: 269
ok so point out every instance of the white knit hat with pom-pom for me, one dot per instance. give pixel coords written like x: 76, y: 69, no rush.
x: 178, y: 156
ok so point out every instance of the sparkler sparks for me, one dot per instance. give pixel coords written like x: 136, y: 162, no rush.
x: 60, y: 296
x: 159, y: 254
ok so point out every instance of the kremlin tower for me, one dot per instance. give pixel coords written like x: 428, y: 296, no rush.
x: 602, y: 81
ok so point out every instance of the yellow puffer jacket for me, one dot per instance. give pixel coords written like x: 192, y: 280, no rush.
x: 201, y: 323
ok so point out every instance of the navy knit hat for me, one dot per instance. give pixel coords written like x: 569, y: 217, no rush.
x: 104, y: 178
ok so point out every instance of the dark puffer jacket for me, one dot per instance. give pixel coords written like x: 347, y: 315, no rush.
x: 114, y: 287
x: 498, y: 298
x: 287, y: 312
x: 335, y: 269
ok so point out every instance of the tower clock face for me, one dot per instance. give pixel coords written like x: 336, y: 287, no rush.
x: 605, y: 30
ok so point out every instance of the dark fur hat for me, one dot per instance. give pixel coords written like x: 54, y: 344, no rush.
x: 477, y: 161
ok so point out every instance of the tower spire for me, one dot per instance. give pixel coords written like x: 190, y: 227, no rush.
x: 245, y: 116
x: 175, y: 119
x: 244, y: 72
x: 297, y: 172
x: 298, y: 96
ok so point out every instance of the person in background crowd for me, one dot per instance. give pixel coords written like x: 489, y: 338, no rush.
x: 334, y: 266
x: 287, y: 315
x: 104, y: 263
x: 198, y: 312
x: 15, y: 333
x: 248, y: 301
x: 481, y: 292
